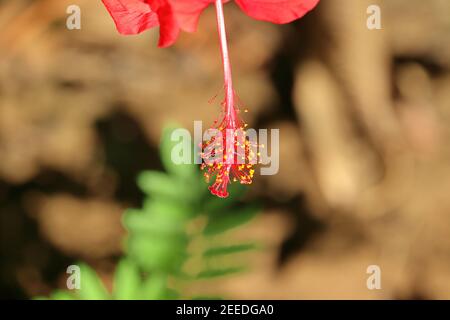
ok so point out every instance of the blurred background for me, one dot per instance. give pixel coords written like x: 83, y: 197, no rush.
x: 364, y: 161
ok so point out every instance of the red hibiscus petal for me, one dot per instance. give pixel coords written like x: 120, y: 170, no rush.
x: 188, y: 12
x: 169, y: 28
x: 131, y: 16
x: 276, y: 11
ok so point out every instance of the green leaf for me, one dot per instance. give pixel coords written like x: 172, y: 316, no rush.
x: 155, y: 287
x: 62, y: 295
x: 163, y: 254
x: 219, y: 223
x: 171, y: 294
x: 186, y: 171
x: 160, y: 184
x: 91, y: 286
x: 137, y: 221
x: 215, y: 273
x: 126, y: 280
x: 171, y: 210
x: 226, y: 250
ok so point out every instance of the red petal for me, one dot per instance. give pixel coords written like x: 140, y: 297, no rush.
x: 277, y: 11
x: 188, y: 12
x: 131, y: 16
x: 169, y: 28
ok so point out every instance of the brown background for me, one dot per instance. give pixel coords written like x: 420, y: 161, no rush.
x: 364, y: 160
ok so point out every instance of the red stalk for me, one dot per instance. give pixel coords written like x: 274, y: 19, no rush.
x: 229, y: 92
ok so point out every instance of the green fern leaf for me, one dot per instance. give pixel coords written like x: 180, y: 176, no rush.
x: 126, y: 280
x: 171, y: 210
x: 154, y: 288
x: 215, y: 273
x: 162, y: 254
x: 186, y: 171
x: 137, y: 221
x: 222, y: 222
x: 160, y: 184
x: 91, y: 286
x: 62, y: 295
x: 226, y: 250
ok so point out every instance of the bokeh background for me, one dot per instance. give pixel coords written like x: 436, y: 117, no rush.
x: 364, y: 156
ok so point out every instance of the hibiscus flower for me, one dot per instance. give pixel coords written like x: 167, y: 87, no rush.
x: 136, y: 16
x: 228, y: 155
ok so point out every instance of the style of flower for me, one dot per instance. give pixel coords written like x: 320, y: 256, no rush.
x: 228, y: 155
